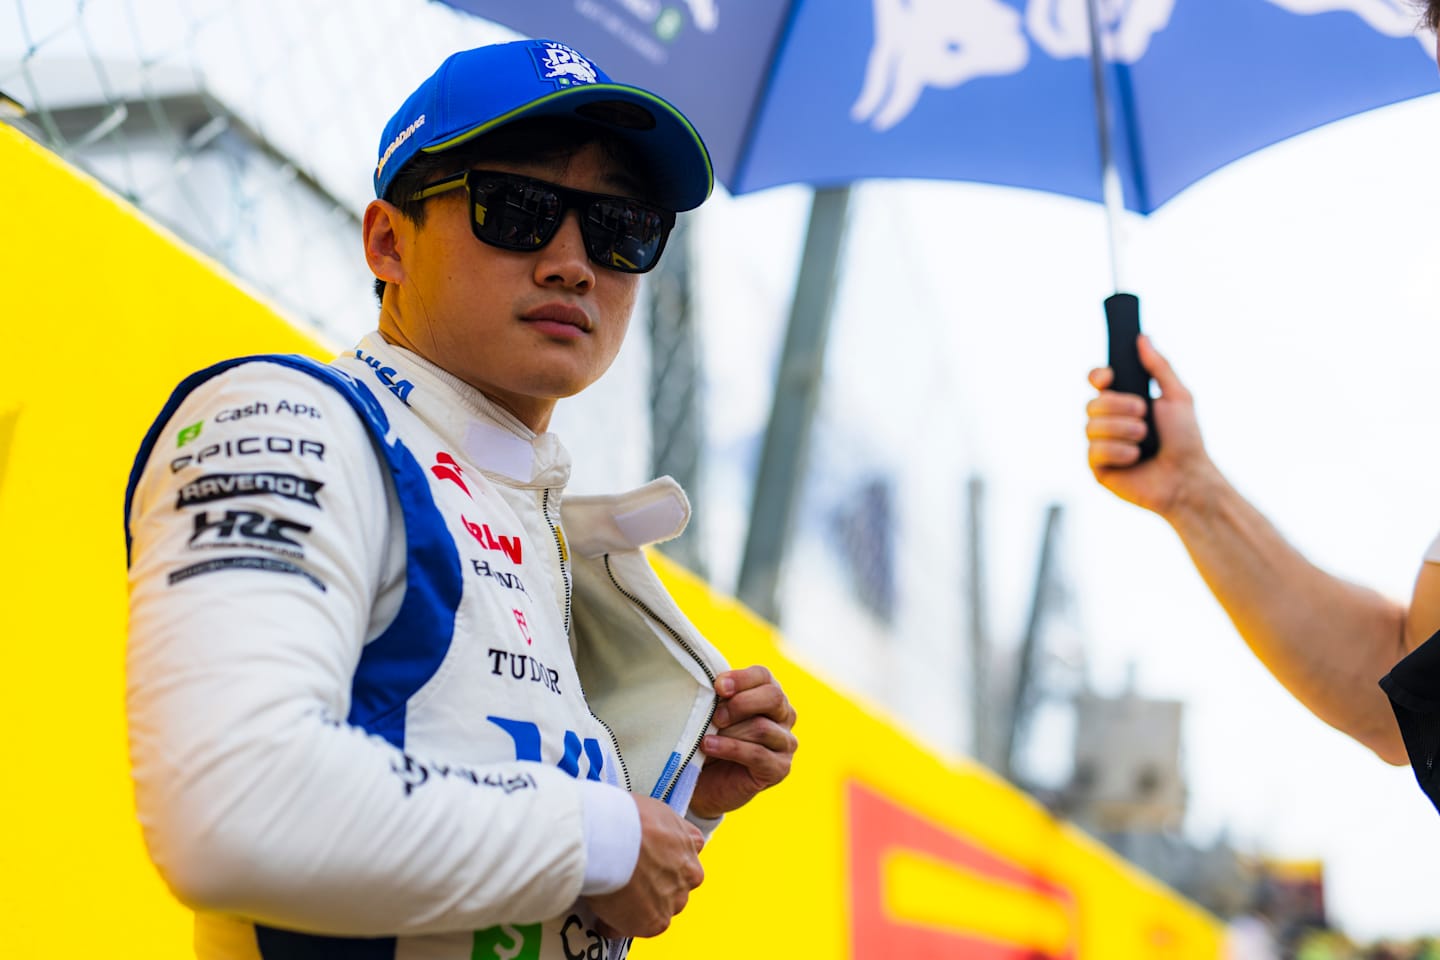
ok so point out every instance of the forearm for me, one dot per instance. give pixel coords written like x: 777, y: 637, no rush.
x: 1327, y: 640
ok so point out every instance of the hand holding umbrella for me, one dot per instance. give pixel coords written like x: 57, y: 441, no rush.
x: 1118, y: 424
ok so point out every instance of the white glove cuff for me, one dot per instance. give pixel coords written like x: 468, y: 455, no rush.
x: 611, y: 823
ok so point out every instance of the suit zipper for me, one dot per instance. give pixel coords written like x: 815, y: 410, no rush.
x: 684, y: 645
x: 562, y: 552
x: 564, y: 555
x: 615, y: 742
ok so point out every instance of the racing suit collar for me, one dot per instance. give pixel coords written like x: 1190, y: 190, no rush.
x: 492, y: 438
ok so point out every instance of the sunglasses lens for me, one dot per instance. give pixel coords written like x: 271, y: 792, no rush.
x: 514, y: 214
x: 623, y: 235
x: 517, y: 213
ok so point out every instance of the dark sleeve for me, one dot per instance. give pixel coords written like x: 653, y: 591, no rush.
x: 1413, y: 687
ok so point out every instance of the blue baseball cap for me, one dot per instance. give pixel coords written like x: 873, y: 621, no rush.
x: 478, y: 91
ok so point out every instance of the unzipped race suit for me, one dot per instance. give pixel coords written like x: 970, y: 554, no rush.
x: 378, y: 672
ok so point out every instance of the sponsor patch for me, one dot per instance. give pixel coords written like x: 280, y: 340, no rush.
x: 386, y: 375
x: 189, y: 433
x: 510, y: 581
x: 446, y: 468
x: 230, y: 414
x: 400, y: 138
x: 580, y: 942
x: 223, y: 486
x: 248, y: 447
x: 414, y: 775
x: 522, y: 666
x: 298, y: 410
x: 249, y: 527
x: 510, y: 546
x: 523, y: 625
x: 264, y: 564
x: 526, y: 735
x: 519, y: 941
x: 261, y: 408
x: 562, y: 65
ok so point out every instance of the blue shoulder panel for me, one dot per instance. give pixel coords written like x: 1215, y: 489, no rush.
x: 395, y: 665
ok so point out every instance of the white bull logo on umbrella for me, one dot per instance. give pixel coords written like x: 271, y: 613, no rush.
x: 1061, y: 27
x: 947, y: 43
x: 932, y: 43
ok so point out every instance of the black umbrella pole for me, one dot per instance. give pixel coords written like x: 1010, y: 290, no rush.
x: 1122, y: 319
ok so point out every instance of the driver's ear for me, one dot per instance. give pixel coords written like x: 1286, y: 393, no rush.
x: 386, y: 232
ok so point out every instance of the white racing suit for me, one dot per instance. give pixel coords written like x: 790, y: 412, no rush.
x: 378, y: 673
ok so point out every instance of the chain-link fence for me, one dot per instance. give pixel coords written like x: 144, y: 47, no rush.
x: 247, y: 128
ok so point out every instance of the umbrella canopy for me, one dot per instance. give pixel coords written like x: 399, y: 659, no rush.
x: 1120, y: 101
x: 994, y: 91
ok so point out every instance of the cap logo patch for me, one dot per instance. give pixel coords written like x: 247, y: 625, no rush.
x: 563, y: 66
x: 400, y: 138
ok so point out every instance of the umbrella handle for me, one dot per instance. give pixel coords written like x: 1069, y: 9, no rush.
x: 1122, y: 318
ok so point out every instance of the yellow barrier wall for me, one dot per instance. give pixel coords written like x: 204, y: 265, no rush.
x: 875, y: 848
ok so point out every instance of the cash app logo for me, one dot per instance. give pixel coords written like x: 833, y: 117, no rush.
x: 508, y: 942
x: 189, y: 433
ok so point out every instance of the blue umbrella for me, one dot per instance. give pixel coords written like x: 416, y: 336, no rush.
x: 1122, y: 101
x: 994, y: 91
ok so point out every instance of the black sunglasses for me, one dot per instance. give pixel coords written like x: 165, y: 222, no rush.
x: 520, y: 213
